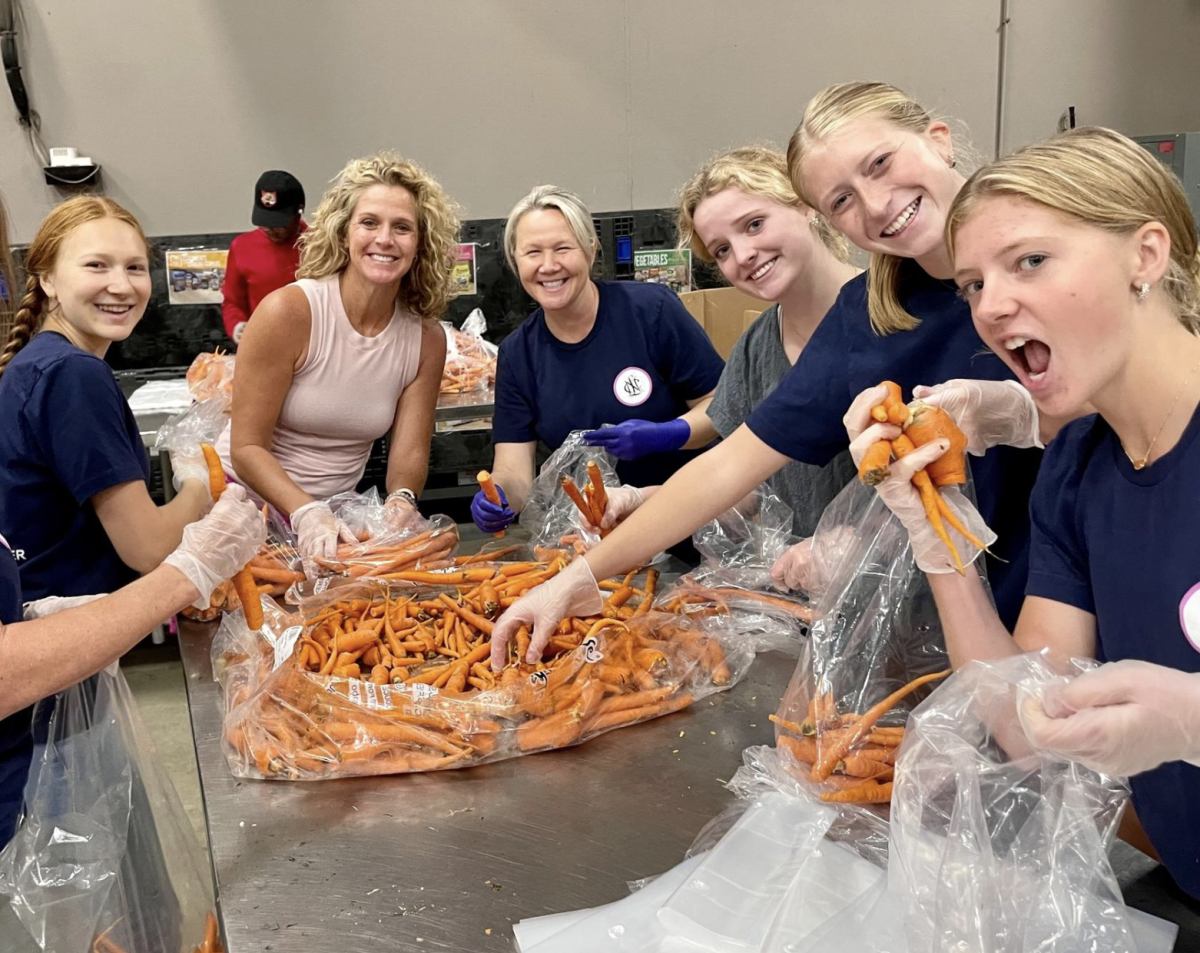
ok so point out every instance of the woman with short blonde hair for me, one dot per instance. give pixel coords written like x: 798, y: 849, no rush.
x: 348, y: 353
x: 594, y: 353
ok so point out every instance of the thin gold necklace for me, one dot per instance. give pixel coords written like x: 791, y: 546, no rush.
x: 1141, y: 464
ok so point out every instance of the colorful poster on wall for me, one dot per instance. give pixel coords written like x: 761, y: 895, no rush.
x: 669, y: 266
x: 195, y: 275
x: 463, y: 280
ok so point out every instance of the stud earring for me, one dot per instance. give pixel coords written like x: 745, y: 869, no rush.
x: 1143, y: 291
x: 953, y: 162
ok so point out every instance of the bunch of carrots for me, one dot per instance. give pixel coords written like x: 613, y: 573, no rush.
x: 273, y: 575
x: 243, y: 580
x: 469, y: 365
x: 592, y: 501
x: 382, y: 557
x: 211, y: 375
x: 850, y: 752
x: 391, y: 680
x: 210, y: 944
x: 921, y: 424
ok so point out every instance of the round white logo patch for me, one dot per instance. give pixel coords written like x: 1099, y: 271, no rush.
x: 1189, y: 616
x: 633, y: 387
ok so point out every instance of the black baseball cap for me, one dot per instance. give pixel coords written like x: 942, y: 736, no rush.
x: 278, y: 198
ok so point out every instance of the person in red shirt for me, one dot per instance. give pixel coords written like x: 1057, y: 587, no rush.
x: 265, y: 259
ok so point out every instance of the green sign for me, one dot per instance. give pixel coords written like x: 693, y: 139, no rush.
x: 664, y: 266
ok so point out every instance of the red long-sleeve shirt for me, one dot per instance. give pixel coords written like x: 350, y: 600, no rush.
x: 256, y: 267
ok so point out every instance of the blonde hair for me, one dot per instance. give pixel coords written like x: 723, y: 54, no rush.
x: 42, y: 255
x: 1101, y: 178
x: 425, y: 289
x: 755, y: 170
x: 829, y: 111
x: 570, y: 205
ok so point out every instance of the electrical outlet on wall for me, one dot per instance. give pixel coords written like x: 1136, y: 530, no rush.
x: 1067, y: 119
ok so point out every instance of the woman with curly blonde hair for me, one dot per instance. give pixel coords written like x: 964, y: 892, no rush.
x: 349, y: 352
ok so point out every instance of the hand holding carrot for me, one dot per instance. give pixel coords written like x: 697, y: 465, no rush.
x: 620, y: 501
x: 990, y: 413
x: 904, y: 499
x: 217, y: 546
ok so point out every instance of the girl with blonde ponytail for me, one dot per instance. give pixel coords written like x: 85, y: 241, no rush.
x: 74, y: 491
x: 1078, y: 258
x: 882, y: 171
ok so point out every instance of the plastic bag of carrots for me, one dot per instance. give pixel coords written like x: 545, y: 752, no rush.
x: 737, y: 551
x: 105, y: 859
x: 560, y: 491
x: 470, y: 360
x: 875, y: 648
x: 996, y: 846
x: 382, y: 548
x: 211, y: 377
x: 373, y: 677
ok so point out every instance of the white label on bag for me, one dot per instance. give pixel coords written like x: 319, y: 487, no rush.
x: 591, y: 650
x: 355, y: 691
x: 321, y: 585
x: 285, y: 644
x: 418, y: 691
x: 541, y: 679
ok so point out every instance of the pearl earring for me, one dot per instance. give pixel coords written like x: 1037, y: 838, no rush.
x: 1143, y: 291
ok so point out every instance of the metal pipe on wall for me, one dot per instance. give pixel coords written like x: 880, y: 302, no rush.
x: 1001, y: 76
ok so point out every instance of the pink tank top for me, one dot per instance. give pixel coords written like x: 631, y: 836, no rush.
x: 343, y: 397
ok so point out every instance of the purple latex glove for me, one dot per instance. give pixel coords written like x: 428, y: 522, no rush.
x: 636, y: 438
x: 488, y: 516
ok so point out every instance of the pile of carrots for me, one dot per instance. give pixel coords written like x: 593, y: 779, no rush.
x: 469, y: 365
x: 592, y: 501
x: 921, y: 424
x: 243, y: 580
x: 850, y: 752
x: 728, y: 598
x: 211, y: 375
x: 391, y: 679
x: 210, y: 944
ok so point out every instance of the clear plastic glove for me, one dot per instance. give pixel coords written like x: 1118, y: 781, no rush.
x: 1121, y: 719
x: 318, y: 531
x: 636, y: 438
x: 572, y: 592
x: 811, y: 563
x: 188, y: 465
x: 903, y: 499
x: 217, y: 546
x: 990, y: 413
x: 488, y: 516
x: 622, y: 500
x: 41, y: 608
x: 399, y: 515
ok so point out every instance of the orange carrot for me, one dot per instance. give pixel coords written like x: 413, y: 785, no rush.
x: 931, y: 423
x: 870, y: 793
x: 902, y: 447
x: 874, y: 467
x: 572, y: 491
x: 948, y: 515
x: 489, y: 490
x: 599, y: 495
x: 831, y: 754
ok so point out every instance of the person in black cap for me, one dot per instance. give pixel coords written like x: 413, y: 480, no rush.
x: 265, y: 259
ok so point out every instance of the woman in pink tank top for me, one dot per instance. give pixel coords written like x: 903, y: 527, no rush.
x: 349, y: 352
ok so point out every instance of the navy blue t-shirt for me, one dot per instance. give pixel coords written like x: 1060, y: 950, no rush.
x: 1121, y: 544
x: 802, y: 418
x: 644, y: 359
x: 66, y: 434
x: 16, y: 741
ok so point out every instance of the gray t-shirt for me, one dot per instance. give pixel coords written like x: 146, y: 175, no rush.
x: 755, y: 367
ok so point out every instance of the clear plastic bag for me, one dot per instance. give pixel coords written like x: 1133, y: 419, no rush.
x: 997, y: 846
x: 104, y: 848
x: 289, y: 715
x: 200, y: 423
x: 737, y: 551
x: 470, y: 360
x: 555, y: 524
x: 875, y: 630
x: 385, y: 548
x: 210, y: 377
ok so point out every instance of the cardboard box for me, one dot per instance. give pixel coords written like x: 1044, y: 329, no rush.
x: 724, y: 313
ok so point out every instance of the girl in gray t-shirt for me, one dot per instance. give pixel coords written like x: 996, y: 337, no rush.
x: 741, y: 213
